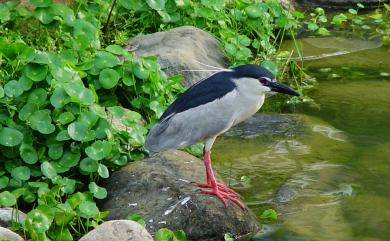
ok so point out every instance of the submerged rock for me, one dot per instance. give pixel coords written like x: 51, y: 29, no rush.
x: 268, y: 125
x: 118, y: 230
x: 162, y: 190
x: 179, y: 49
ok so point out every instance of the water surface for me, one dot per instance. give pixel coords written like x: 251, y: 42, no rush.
x: 330, y: 181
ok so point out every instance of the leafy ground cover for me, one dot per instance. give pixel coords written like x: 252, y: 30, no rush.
x: 61, y: 71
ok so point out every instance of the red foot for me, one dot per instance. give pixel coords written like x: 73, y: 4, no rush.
x: 221, y: 187
x: 223, y: 196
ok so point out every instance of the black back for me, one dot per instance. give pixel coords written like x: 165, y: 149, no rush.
x: 214, y: 87
x: 207, y: 90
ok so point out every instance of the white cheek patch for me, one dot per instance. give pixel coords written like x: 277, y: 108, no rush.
x: 265, y: 89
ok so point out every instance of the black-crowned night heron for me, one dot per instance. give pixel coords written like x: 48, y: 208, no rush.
x: 208, y: 109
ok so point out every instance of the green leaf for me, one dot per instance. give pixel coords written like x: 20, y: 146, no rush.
x: 36, y: 72
x: 128, y: 80
x: 116, y: 111
x: 256, y: 11
x: 59, y: 98
x: 65, y: 12
x: 103, y: 171
x: 41, y: 3
x: 156, y: 4
x: 10, y: 137
x: 25, y: 83
x: 228, y: 237
x: 140, y: 71
x: 63, y: 136
x: 55, y: 150
x: 269, y: 215
x: 1, y: 92
x: 48, y: 170
x: 99, y: 150
x: 27, y: 110
x: 44, y: 15
x: 5, y: 14
x: 98, y: 192
x: 157, y: 108
x: 352, y: 11
x: 105, y: 59
x: 13, y: 88
x: 108, y: 78
x: 323, y: 31
x: 21, y: 173
x: 66, y: 117
x: 89, y: 165
x: 28, y: 154
x: 64, y: 214
x: 70, y: 159
x: 312, y: 26
x: 77, y: 131
x: 136, y: 218
x: 116, y: 49
x: 37, y: 96
x: 83, y: 28
x: 137, y: 5
x: 88, y: 209
x: 4, y: 182
x: 41, y: 121
x: 7, y: 199
x: 132, y: 116
x: 37, y: 221
x: 68, y: 185
x: 339, y: 19
x: 79, y: 93
x: 163, y: 234
x: 89, y: 118
x: 180, y: 235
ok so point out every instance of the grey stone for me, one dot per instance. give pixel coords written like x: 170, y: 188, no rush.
x: 340, y: 4
x: 179, y: 49
x: 268, y: 125
x: 161, y: 189
x: 9, y: 215
x: 6, y: 234
x: 118, y: 230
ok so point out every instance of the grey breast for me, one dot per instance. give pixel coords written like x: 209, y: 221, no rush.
x: 191, y: 126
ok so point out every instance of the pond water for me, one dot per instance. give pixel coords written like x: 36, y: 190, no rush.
x: 329, y: 177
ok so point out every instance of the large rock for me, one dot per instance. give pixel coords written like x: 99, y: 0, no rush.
x: 162, y: 190
x: 182, y: 48
x: 342, y: 4
x: 118, y: 230
x: 6, y: 234
x: 9, y: 215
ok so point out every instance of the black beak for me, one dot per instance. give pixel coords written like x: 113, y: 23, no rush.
x: 277, y: 87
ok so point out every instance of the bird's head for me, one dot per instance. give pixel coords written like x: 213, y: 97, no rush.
x: 265, y: 79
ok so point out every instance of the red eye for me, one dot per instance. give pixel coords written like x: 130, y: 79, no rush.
x: 263, y: 80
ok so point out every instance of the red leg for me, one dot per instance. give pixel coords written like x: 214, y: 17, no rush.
x: 221, y: 191
x: 221, y: 186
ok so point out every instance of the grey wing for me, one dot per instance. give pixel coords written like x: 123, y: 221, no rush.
x: 193, y: 125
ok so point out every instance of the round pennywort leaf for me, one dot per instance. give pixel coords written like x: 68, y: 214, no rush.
x: 41, y: 121
x: 21, y: 173
x: 77, y: 131
x: 7, y: 199
x: 108, y: 78
x: 10, y: 137
x: 99, y: 150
